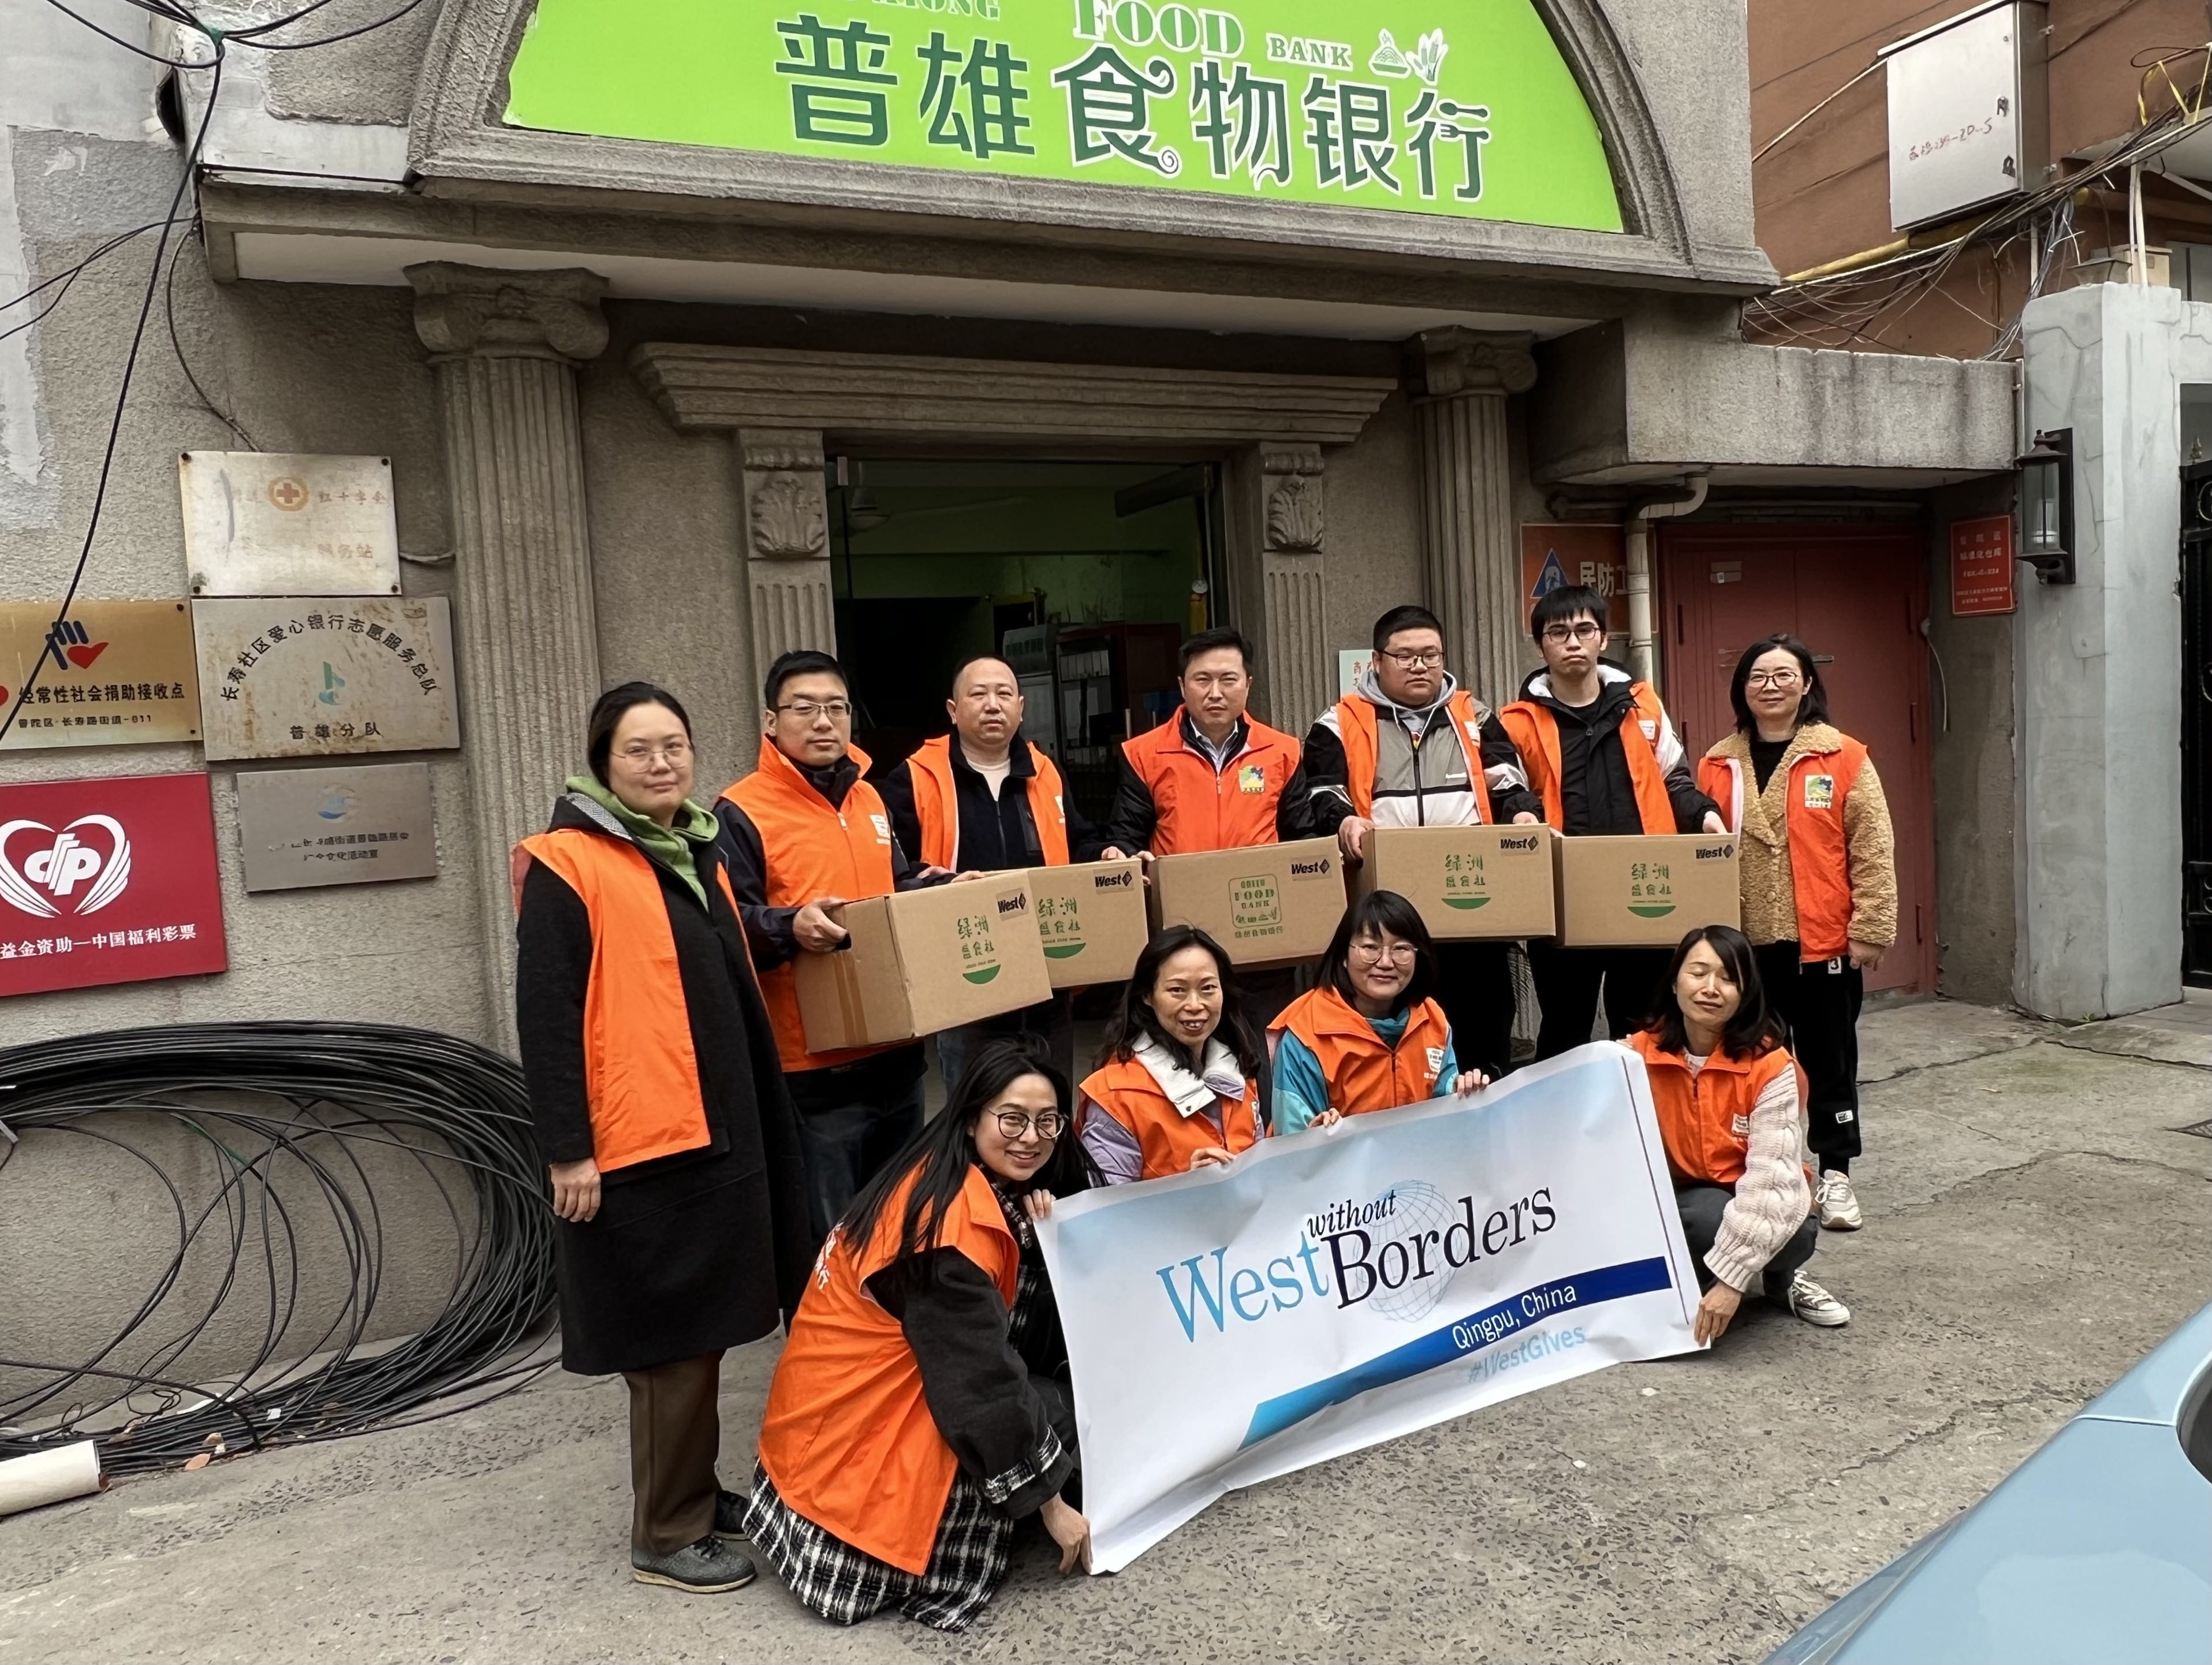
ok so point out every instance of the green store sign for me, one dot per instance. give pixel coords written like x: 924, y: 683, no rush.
x: 1456, y: 107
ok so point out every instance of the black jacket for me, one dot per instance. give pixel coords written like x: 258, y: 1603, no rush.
x: 1596, y: 796
x: 690, y: 1253
x: 995, y: 833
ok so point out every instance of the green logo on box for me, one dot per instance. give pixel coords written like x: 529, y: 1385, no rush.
x: 1651, y: 890
x: 1255, y: 907
x: 1465, y: 887
x: 979, y: 955
x: 1465, y: 902
x: 1651, y: 909
x: 1061, y: 924
x: 984, y: 975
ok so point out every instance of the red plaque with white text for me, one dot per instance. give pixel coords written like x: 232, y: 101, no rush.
x: 1981, y: 567
x: 108, y: 881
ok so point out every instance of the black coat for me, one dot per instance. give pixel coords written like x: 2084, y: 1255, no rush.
x: 691, y: 1253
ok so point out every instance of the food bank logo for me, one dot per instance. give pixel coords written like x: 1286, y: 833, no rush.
x: 40, y: 869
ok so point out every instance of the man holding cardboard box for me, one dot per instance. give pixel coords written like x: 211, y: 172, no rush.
x: 1409, y: 747
x: 804, y: 835
x: 982, y: 799
x: 1602, y: 754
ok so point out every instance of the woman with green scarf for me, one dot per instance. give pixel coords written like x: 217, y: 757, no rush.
x: 670, y: 1145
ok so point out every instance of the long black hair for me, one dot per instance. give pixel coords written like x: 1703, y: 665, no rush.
x: 611, y: 707
x: 1755, y: 1027
x: 939, y: 1155
x: 1812, y: 708
x: 1376, y: 912
x: 1133, y: 1020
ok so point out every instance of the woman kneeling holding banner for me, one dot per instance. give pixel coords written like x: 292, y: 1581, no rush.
x: 1370, y: 1038
x: 1731, y: 1112
x: 1177, y: 1086
x: 921, y: 1405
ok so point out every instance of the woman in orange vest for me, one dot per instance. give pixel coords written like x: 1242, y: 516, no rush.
x: 1727, y: 1093
x: 661, y: 1114
x: 1177, y: 1086
x: 1370, y: 1037
x: 922, y: 1404
x: 1819, y: 876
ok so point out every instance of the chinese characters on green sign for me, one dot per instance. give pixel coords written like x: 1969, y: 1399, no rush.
x: 1459, y: 108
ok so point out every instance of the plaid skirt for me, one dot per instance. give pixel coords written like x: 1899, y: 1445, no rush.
x: 967, y: 1563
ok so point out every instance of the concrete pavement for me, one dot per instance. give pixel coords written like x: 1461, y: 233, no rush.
x: 2034, y: 1227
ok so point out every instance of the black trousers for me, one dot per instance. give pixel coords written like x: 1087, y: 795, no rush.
x: 1820, y: 1003
x: 1475, y: 986
x: 675, y: 1434
x: 1701, y: 1207
x: 1567, y: 986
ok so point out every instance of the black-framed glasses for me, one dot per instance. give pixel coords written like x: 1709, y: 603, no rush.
x: 1415, y: 661
x: 1013, y: 1124
x: 1772, y: 679
x: 1583, y: 630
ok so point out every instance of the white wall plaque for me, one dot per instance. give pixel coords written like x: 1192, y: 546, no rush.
x: 302, y: 677
x: 1967, y: 107
x: 339, y: 823
x: 284, y: 523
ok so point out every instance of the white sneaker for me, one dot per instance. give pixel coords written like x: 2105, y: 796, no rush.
x: 1815, y: 1305
x: 1839, y: 1203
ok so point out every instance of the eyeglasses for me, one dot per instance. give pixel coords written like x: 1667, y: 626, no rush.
x: 1385, y: 953
x: 1773, y: 679
x: 1415, y: 661
x: 1586, y: 630
x: 806, y: 711
x: 1014, y: 1124
x: 676, y: 751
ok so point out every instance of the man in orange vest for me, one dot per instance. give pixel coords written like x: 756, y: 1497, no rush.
x: 1602, y: 754
x: 1410, y: 747
x: 803, y: 834
x: 982, y: 799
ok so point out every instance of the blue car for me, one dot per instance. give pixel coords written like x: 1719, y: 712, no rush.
x: 2097, y: 1549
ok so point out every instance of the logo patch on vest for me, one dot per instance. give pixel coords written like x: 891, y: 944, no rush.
x: 1740, y: 1127
x: 1820, y: 791
x: 1650, y: 727
x: 883, y: 827
x: 1436, y: 1062
x: 1251, y: 777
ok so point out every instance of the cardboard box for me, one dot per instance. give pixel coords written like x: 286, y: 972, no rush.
x: 925, y: 961
x: 1091, y: 920
x: 1467, y: 883
x: 1274, y: 904
x: 1644, y: 892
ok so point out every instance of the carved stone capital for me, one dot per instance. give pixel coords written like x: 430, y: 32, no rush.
x: 786, y: 506
x: 781, y: 447
x: 1284, y: 457
x: 1456, y: 360
x: 496, y: 313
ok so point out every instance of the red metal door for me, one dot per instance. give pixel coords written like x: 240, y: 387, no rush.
x: 1855, y: 595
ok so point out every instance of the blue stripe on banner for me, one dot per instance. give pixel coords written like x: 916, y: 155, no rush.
x: 1456, y: 1341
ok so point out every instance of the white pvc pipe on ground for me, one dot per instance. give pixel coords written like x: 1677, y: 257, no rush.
x: 45, y: 1477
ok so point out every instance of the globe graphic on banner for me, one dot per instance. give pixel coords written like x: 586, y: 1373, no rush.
x: 1421, y: 1208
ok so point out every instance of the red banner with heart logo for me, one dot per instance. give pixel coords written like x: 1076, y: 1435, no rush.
x: 108, y: 881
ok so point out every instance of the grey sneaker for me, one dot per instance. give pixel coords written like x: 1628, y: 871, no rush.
x: 1839, y: 1203
x: 706, y: 1567
x: 1815, y: 1305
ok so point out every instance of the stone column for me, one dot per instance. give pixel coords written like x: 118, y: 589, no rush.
x: 1470, y: 540
x: 787, y: 541
x: 1295, y: 640
x: 504, y: 345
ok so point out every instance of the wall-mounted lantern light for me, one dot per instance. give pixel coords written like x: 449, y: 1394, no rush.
x: 2046, y: 506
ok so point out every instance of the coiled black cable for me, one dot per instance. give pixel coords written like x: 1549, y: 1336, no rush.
x: 308, y: 1094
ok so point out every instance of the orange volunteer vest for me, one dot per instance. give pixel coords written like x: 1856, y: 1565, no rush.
x: 1364, y: 1071
x: 640, y: 1075
x: 1536, y: 732
x: 1356, y: 722
x: 1819, y: 866
x: 937, y: 804
x: 1125, y: 1089
x: 810, y: 850
x: 1705, y: 1123
x: 848, y: 1438
x: 1200, y: 808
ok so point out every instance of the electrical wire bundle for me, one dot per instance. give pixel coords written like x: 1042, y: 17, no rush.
x: 308, y: 1098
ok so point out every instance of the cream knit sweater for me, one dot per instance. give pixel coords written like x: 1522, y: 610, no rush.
x: 1770, y: 898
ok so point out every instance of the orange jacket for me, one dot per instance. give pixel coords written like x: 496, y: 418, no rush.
x: 810, y: 850
x: 640, y: 1074
x: 1124, y: 1088
x: 1363, y: 1071
x: 848, y: 1436
x: 1706, y: 1122
x: 1203, y: 809
x: 1535, y: 732
x: 1819, y: 865
x: 1356, y: 721
x: 937, y: 804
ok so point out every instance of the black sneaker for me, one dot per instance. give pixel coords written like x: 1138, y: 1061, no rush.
x: 706, y: 1567
x: 730, y: 1513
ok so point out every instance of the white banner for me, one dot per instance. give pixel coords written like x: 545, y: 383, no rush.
x: 1343, y: 1287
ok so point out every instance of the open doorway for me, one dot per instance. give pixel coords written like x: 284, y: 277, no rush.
x: 1084, y: 576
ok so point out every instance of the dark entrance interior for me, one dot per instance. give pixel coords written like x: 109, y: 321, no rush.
x: 1084, y: 576
x: 2196, y: 724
